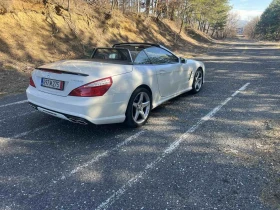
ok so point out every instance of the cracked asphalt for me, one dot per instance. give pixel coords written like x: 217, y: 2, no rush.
x: 48, y: 163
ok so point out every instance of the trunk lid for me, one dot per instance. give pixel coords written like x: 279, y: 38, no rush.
x: 75, y: 73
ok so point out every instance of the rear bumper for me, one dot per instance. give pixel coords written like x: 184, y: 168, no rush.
x: 97, y: 110
x: 64, y: 116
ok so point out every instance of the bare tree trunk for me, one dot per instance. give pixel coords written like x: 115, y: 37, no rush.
x: 114, y: 4
x: 213, y: 32
x: 123, y: 6
x: 208, y: 28
x: 172, y: 12
x: 167, y: 8
x: 204, y: 27
x: 152, y: 6
x: 148, y: 4
x: 156, y: 4
x: 181, y: 27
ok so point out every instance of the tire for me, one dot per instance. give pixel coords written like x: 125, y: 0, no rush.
x: 197, y: 81
x: 138, y: 109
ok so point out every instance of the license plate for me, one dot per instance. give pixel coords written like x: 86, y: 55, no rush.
x: 52, y: 83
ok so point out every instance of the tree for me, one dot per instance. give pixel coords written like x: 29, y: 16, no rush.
x: 231, y: 25
x: 208, y: 16
x: 148, y: 5
x: 269, y: 25
x: 250, y: 28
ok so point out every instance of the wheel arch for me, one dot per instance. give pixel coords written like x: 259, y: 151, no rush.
x: 146, y: 87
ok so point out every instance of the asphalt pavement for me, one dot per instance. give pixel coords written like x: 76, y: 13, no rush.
x: 196, y: 151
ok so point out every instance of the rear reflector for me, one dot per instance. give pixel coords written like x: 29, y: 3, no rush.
x: 31, y: 82
x: 96, y: 88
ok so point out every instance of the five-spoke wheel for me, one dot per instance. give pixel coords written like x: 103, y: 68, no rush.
x: 197, y: 81
x: 139, y: 107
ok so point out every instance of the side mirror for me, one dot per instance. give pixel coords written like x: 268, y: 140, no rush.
x: 183, y: 60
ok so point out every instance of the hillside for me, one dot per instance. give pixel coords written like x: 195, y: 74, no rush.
x: 35, y: 33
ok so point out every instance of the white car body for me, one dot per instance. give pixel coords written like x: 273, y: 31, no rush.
x: 164, y: 81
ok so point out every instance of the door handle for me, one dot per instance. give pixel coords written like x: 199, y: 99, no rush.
x: 162, y: 72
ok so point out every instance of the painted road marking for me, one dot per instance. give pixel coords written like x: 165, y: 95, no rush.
x: 20, y: 115
x: 241, y: 89
x: 19, y: 102
x: 32, y: 131
x: 102, y: 155
x: 94, y: 160
x: 116, y: 195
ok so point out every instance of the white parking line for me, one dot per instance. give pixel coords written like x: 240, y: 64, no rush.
x: 102, y: 155
x: 117, y: 194
x: 19, y: 115
x: 19, y: 102
x: 241, y: 89
x: 87, y: 164
x: 33, y: 131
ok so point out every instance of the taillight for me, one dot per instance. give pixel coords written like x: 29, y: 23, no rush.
x: 31, y: 82
x: 96, y: 88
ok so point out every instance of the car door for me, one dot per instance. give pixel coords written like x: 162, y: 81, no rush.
x: 168, y: 70
x: 185, y: 75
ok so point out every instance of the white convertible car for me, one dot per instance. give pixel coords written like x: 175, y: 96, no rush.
x: 118, y: 84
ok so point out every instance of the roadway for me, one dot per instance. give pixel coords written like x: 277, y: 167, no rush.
x: 196, y: 151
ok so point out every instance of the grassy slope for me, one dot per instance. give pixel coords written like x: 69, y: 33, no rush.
x: 33, y: 34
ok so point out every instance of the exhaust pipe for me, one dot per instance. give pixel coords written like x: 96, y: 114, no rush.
x: 78, y: 121
x: 73, y: 119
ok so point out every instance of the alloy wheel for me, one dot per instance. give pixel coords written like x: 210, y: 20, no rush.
x: 198, y: 80
x: 141, y: 107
